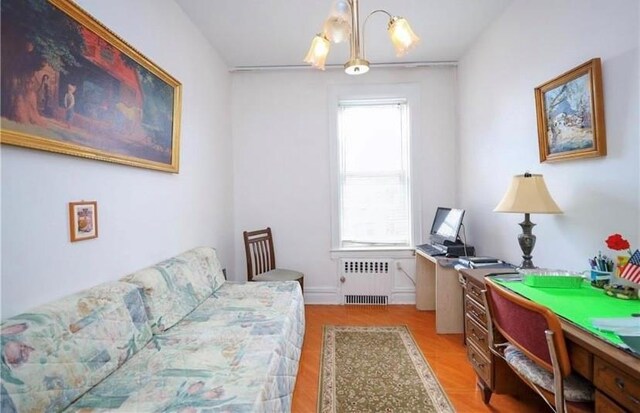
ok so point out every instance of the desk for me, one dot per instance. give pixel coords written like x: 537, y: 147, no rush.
x: 437, y: 288
x: 614, y: 372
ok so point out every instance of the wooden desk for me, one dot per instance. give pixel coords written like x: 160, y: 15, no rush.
x: 437, y: 288
x: 614, y: 372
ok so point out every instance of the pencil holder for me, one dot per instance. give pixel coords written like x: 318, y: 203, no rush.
x: 600, y: 275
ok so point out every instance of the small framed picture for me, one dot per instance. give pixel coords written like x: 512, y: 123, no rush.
x: 83, y: 220
x: 570, y: 111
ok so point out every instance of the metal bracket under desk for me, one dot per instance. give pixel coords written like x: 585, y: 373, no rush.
x: 438, y: 288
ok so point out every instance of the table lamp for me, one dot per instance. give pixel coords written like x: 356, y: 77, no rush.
x: 527, y: 194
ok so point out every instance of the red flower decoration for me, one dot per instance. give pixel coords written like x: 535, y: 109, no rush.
x: 616, y: 242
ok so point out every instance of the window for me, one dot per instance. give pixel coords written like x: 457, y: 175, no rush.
x: 374, y: 196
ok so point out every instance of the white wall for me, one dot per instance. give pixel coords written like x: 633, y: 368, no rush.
x: 281, y: 161
x: 144, y: 216
x: 531, y: 43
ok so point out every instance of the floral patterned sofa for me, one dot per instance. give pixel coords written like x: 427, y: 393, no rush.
x: 174, y: 337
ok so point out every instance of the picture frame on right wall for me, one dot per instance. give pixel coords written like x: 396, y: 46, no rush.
x: 570, y: 112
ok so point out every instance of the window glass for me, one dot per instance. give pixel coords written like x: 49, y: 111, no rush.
x: 374, y: 174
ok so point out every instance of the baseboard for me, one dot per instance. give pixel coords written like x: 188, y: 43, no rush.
x: 321, y: 295
x: 403, y: 296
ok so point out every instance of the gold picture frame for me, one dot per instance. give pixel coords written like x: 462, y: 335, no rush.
x: 83, y: 220
x: 72, y: 86
x: 570, y: 113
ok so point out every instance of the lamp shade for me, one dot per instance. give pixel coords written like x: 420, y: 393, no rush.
x: 318, y: 52
x: 337, y: 29
x: 402, y: 37
x: 528, y: 194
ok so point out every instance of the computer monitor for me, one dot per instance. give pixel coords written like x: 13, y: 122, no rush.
x: 446, y: 225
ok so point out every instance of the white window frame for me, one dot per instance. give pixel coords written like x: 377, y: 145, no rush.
x: 406, y: 92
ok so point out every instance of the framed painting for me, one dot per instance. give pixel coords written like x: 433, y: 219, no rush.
x: 71, y: 86
x: 83, y: 220
x: 570, y: 110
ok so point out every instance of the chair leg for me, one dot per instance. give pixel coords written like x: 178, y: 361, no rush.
x: 558, y: 384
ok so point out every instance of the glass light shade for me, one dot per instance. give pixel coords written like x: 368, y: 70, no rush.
x: 318, y: 52
x: 337, y: 29
x: 528, y: 194
x: 402, y: 37
x: 341, y: 8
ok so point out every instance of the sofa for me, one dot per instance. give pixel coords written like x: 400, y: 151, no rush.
x: 174, y: 337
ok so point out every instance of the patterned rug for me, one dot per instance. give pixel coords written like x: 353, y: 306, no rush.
x: 376, y: 369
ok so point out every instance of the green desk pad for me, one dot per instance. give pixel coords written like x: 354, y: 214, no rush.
x: 579, y: 305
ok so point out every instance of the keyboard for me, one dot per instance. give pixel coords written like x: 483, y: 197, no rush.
x: 431, y: 249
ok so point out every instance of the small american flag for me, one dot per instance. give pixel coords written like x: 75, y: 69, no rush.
x: 631, y: 271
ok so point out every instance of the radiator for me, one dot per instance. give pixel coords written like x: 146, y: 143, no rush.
x: 366, y: 281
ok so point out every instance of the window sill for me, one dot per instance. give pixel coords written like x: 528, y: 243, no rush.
x: 399, y: 252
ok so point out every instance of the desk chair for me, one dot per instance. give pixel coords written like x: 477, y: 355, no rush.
x: 261, y: 259
x: 535, y: 349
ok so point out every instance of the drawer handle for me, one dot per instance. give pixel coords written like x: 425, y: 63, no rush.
x: 620, y: 384
x: 476, y: 362
x: 475, y: 335
x: 475, y: 314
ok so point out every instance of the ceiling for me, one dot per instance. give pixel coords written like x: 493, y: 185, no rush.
x: 248, y: 33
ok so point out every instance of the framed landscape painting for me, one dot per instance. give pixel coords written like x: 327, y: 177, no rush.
x: 570, y: 110
x: 69, y: 85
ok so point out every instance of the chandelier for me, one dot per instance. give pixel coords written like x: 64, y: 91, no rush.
x: 343, y: 23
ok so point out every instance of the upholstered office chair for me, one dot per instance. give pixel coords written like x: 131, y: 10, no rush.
x: 533, y: 345
x: 261, y: 259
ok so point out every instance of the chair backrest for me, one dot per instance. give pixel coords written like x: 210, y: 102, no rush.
x: 523, y: 323
x: 258, y: 247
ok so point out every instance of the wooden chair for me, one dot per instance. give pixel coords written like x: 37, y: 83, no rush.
x: 261, y: 259
x: 532, y: 343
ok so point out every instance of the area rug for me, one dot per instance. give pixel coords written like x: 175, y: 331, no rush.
x: 376, y: 369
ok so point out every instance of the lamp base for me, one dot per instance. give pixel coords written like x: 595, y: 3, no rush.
x: 527, y: 241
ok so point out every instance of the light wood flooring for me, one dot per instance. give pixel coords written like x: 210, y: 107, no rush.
x: 446, y: 355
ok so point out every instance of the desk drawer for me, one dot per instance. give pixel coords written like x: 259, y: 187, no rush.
x: 606, y: 405
x: 477, y: 335
x: 581, y: 360
x: 475, y: 311
x: 480, y: 363
x: 475, y: 292
x: 617, y: 385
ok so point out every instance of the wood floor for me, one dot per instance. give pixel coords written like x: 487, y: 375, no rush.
x: 446, y: 355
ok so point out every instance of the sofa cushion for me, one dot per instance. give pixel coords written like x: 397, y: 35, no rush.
x: 237, y: 352
x: 58, y: 351
x: 205, y: 260
x: 173, y: 288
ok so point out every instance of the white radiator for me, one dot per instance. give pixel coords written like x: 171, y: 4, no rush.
x: 366, y: 281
